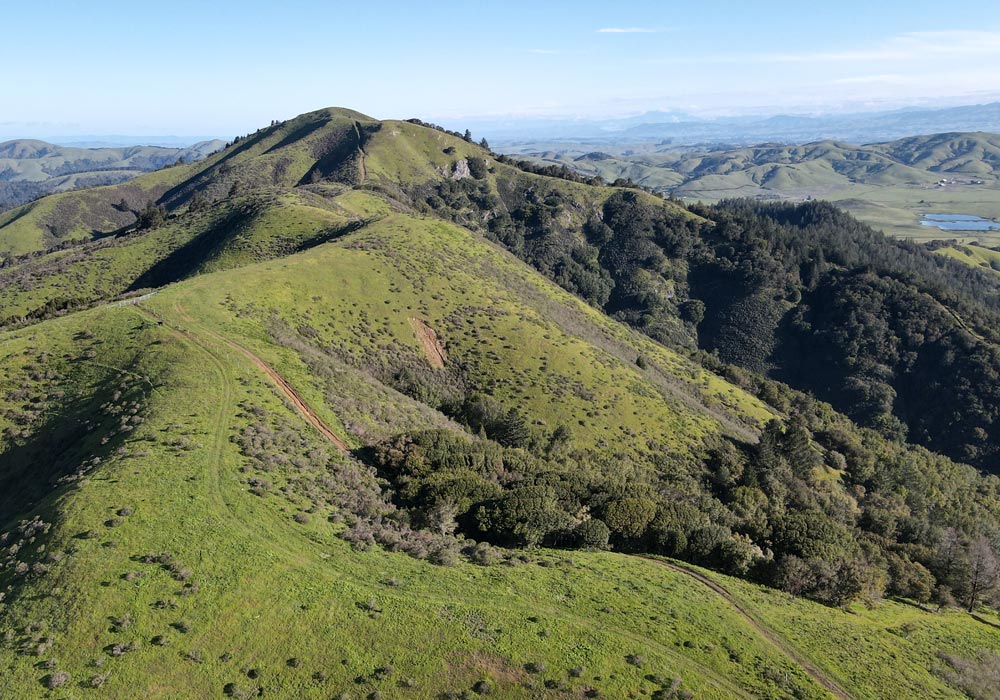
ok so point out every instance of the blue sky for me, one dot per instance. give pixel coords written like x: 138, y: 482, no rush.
x: 222, y: 68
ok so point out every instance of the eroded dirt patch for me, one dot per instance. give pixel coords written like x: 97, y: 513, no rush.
x: 433, y: 348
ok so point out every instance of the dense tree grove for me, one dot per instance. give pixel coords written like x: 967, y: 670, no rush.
x: 816, y: 507
x: 898, y: 338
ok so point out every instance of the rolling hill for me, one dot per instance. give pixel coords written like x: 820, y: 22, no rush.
x: 919, y: 160
x: 888, y: 185
x: 367, y: 411
x: 31, y: 168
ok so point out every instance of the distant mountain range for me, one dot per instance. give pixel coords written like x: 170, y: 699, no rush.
x: 915, y: 160
x: 678, y: 128
x: 31, y: 168
x: 888, y: 185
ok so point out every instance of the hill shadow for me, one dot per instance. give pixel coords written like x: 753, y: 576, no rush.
x: 57, y: 448
x: 183, y: 261
x: 299, y: 134
x: 187, y: 259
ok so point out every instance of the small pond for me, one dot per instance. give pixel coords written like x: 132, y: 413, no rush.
x: 959, y: 222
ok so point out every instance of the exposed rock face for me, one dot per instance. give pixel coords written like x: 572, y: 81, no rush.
x: 460, y: 170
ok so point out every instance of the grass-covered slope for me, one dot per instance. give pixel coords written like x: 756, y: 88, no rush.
x: 244, y: 229
x: 521, y: 338
x: 82, y: 214
x: 973, y: 255
x: 310, y: 148
x: 176, y: 562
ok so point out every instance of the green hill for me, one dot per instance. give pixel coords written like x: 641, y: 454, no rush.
x: 366, y: 411
x: 887, y: 185
x: 956, y: 153
x: 974, y: 255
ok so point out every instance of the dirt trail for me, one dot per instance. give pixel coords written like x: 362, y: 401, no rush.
x: 362, y: 168
x: 293, y: 396
x: 429, y: 341
x: 286, y: 389
x: 810, y: 668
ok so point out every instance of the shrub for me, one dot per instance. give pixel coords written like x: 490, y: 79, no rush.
x: 122, y: 649
x: 592, y: 534
x: 477, y: 167
x: 481, y: 553
x: 629, y: 517
x: 636, y: 660
x: 383, y: 672
x: 444, y: 554
x: 56, y: 679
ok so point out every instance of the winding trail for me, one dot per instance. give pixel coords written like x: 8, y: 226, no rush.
x: 784, y: 647
x: 286, y: 389
x: 293, y: 397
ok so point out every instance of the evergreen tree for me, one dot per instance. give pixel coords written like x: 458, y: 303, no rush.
x: 152, y: 216
x: 512, y: 429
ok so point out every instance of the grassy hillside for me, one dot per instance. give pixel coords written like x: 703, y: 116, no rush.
x: 340, y: 621
x: 362, y: 383
x: 82, y: 215
x: 974, y: 255
x: 245, y: 229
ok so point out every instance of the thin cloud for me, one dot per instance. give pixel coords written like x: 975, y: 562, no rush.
x: 913, y: 47
x: 905, y: 47
x: 630, y: 30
